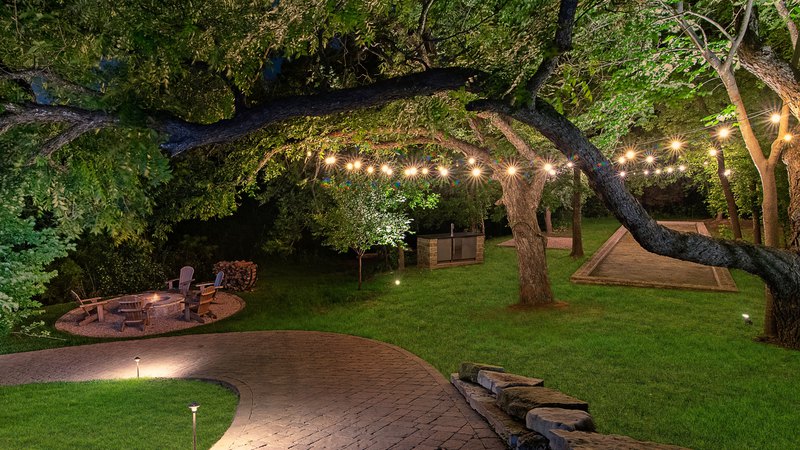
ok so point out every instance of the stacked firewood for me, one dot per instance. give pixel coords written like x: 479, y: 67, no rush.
x: 239, y: 275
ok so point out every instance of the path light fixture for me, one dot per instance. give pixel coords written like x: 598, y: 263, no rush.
x: 397, y: 282
x: 137, y: 359
x: 193, y: 406
x: 747, y: 319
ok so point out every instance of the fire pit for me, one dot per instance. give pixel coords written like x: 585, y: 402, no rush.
x: 163, y: 303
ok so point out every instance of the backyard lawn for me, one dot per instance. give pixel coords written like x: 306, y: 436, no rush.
x: 133, y: 414
x: 670, y: 366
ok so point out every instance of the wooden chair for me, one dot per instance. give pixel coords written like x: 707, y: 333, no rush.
x: 217, y: 283
x: 200, y: 308
x: 182, y: 283
x: 136, y: 311
x: 93, y: 308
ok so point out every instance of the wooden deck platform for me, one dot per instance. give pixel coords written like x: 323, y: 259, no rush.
x: 622, y: 261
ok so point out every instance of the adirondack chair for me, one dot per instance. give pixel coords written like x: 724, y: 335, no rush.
x: 217, y: 283
x: 93, y: 308
x: 200, y: 308
x: 135, y: 310
x: 182, y: 283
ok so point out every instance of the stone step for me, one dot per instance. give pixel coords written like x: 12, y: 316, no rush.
x: 517, y: 401
x: 514, y: 433
x: 545, y: 420
x: 497, y: 381
x: 468, y: 371
x: 581, y: 440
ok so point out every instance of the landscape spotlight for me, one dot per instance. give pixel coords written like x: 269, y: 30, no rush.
x: 137, y: 359
x: 747, y: 319
x: 193, y: 406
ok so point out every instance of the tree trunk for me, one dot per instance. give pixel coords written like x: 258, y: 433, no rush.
x: 756, y: 227
x: 401, y: 258
x: 733, y: 212
x: 577, y: 234
x: 548, y: 220
x: 522, y: 200
x: 360, y: 255
x: 791, y: 157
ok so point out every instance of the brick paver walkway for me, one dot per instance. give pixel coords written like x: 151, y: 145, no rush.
x: 297, y: 389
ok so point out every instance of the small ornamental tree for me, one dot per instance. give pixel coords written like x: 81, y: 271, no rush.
x: 363, y: 215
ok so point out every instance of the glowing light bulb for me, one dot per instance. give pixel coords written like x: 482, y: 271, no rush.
x: 676, y: 145
x: 357, y: 164
x: 389, y: 171
x: 650, y: 159
x: 682, y: 168
x: 727, y: 172
x: 775, y: 118
x: 658, y: 171
x: 630, y: 154
x: 621, y: 160
x: 548, y: 167
x: 712, y: 152
x: 471, y: 160
x: 622, y: 174
x: 570, y: 164
x: 424, y: 170
x: 370, y: 169
x: 511, y: 170
x: 397, y: 282
x: 308, y: 153
x: 646, y: 172
x: 349, y: 166
x: 385, y: 168
x: 670, y: 170
x: 787, y: 137
x: 412, y: 171
x: 723, y: 133
x: 476, y: 172
x: 552, y: 172
x: 443, y: 171
x: 406, y: 172
x: 330, y: 160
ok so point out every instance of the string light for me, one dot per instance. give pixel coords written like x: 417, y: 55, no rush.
x: 712, y: 152
x: 570, y: 164
x: 650, y: 159
x: 385, y: 169
x: 424, y: 170
x: 330, y: 160
x: 370, y: 170
x: 670, y: 170
x: 787, y: 137
x: 548, y: 167
x: 658, y: 171
x: 443, y: 171
x: 682, y: 168
x: 357, y: 164
x: 476, y: 172
x: 471, y: 160
x: 775, y: 118
x: 552, y: 172
x: 511, y: 170
x: 308, y: 153
x: 621, y: 160
x: 630, y: 154
x: 349, y: 166
x: 622, y: 174
x: 646, y: 172
x: 676, y: 145
x: 723, y: 133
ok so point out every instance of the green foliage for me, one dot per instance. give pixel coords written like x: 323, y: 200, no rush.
x: 363, y: 214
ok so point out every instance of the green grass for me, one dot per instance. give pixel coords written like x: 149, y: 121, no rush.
x: 130, y: 414
x: 664, y: 365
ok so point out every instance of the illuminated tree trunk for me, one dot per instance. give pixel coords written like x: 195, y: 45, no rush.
x: 360, y: 254
x: 521, y: 199
x: 733, y: 212
x: 548, y: 220
x: 791, y: 157
x: 577, y: 234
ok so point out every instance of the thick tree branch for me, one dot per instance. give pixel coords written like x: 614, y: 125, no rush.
x: 502, y: 124
x: 184, y: 135
x: 28, y: 75
x: 748, y: 11
x: 29, y: 113
x: 779, y: 268
x: 562, y: 43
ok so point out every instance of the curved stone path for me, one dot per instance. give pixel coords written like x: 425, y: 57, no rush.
x: 297, y: 389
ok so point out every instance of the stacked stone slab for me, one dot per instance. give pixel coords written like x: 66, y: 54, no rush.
x: 529, y: 416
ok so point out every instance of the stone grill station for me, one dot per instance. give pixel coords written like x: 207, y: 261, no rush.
x: 529, y: 416
x: 447, y: 250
